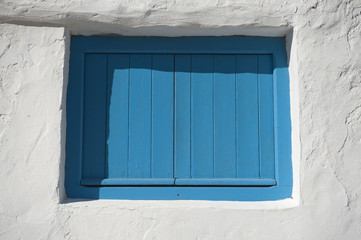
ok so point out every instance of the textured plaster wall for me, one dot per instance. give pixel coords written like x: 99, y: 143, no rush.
x: 324, y: 38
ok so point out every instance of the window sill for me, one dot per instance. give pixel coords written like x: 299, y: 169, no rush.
x: 84, y: 204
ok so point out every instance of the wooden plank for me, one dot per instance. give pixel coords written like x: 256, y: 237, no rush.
x: 247, y: 116
x: 182, y: 142
x: 225, y: 182
x: 162, y: 116
x: 94, y: 121
x: 127, y: 181
x: 283, y: 143
x: 202, y: 116
x: 117, y: 103
x: 224, y: 116
x: 265, y: 84
x: 74, y: 123
x: 140, y: 116
x: 178, y: 182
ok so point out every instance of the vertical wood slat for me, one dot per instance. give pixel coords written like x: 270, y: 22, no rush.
x: 182, y: 138
x: 162, y: 116
x: 140, y: 116
x: 117, y: 103
x: 266, y: 124
x: 94, y: 118
x: 247, y: 116
x: 202, y: 116
x: 224, y: 117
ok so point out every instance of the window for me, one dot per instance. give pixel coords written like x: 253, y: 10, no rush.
x: 203, y: 118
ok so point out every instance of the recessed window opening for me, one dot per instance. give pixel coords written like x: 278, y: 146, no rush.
x: 178, y: 118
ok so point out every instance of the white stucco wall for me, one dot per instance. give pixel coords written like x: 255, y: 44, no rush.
x: 324, y: 42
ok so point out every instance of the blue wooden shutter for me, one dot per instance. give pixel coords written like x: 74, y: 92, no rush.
x: 178, y: 119
x: 224, y: 120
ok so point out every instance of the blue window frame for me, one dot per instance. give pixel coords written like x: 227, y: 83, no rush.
x: 203, y: 118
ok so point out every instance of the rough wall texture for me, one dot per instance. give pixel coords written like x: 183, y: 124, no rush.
x: 33, y: 75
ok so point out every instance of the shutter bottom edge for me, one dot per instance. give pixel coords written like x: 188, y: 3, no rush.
x: 178, y: 182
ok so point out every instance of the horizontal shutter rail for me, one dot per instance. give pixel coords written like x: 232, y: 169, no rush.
x: 127, y: 181
x: 225, y: 182
x: 178, y: 182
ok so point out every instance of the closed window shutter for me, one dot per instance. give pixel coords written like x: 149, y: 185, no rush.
x: 178, y: 119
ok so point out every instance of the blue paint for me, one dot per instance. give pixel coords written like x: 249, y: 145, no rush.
x: 225, y: 182
x: 126, y: 181
x: 225, y: 160
x: 118, y: 109
x: 140, y: 87
x: 182, y: 123
x: 94, y: 121
x: 247, y: 112
x: 162, y: 116
x: 266, y: 124
x: 203, y: 118
x: 178, y: 181
x: 202, y: 142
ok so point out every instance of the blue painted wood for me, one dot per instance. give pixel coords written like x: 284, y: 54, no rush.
x: 202, y: 143
x: 283, y: 149
x: 225, y: 182
x: 217, y: 193
x: 266, y: 124
x: 162, y: 116
x: 94, y: 116
x: 127, y: 181
x: 179, y: 182
x: 184, y: 45
x: 194, y: 45
x: 225, y: 160
x: 74, y: 126
x: 117, y: 103
x: 182, y: 127
x: 140, y: 116
x: 247, y: 116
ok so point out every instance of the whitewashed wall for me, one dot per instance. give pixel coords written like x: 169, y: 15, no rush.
x: 324, y: 42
